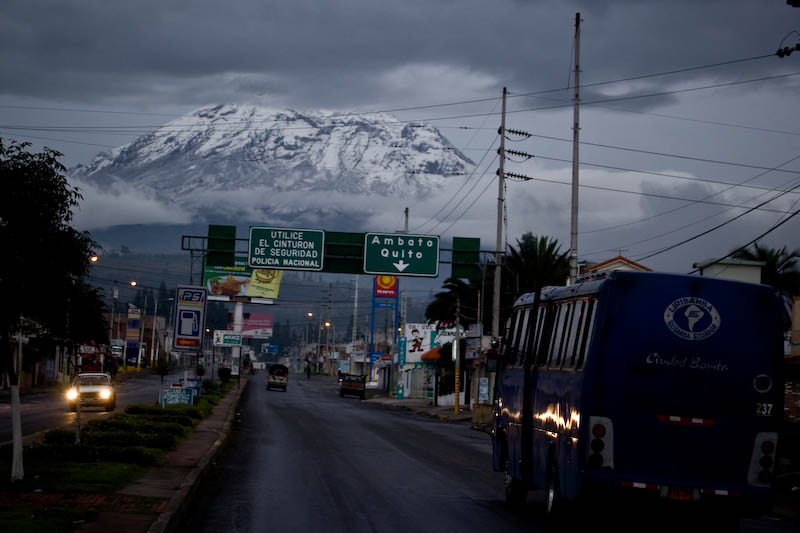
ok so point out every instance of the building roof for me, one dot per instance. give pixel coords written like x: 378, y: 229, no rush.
x: 728, y: 261
x: 609, y: 265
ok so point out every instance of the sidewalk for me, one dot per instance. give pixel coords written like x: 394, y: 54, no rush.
x: 423, y: 407
x: 174, y: 480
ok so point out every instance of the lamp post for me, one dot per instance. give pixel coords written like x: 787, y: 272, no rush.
x: 306, y: 338
x: 328, y: 339
x: 153, y: 338
x: 134, y: 284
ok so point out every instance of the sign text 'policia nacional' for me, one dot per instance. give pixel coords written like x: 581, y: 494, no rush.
x: 286, y: 248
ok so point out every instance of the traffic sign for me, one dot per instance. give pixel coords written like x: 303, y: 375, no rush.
x: 227, y: 338
x: 401, y: 254
x: 190, y: 316
x: 286, y: 248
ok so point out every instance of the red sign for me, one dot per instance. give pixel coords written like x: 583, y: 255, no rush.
x: 386, y: 286
x: 386, y: 357
x: 255, y: 321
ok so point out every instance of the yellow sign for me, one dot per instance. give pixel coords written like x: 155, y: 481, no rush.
x: 265, y: 283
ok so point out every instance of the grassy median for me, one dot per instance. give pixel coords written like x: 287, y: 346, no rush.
x: 66, y: 484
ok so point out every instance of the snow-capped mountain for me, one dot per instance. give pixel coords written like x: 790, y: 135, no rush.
x: 220, y: 155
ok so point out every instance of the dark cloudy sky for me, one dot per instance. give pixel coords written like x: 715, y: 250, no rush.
x: 136, y: 65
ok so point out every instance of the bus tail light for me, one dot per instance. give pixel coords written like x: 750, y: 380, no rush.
x: 600, y: 452
x: 762, y: 461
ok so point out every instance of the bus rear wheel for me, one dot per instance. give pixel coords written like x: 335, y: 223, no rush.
x: 552, y: 502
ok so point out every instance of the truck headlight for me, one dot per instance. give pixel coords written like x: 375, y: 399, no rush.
x: 105, y: 394
x: 72, y: 394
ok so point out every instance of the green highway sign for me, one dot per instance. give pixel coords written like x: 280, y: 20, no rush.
x: 286, y: 248
x: 400, y: 254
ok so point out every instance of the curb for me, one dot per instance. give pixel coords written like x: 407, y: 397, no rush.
x: 170, y: 518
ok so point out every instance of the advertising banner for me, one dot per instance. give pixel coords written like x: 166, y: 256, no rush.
x: 385, y: 286
x: 241, y: 280
x: 418, y: 340
x: 257, y: 326
x: 227, y: 338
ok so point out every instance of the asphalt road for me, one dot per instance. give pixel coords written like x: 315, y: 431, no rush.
x: 48, y: 410
x: 308, y: 460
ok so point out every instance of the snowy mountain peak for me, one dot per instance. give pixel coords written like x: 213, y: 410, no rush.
x: 247, y: 147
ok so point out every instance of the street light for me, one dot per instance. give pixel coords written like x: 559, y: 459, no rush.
x: 306, y: 339
x: 328, y: 340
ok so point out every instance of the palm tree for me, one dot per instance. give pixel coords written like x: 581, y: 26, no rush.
x: 537, y: 262
x: 781, y: 272
x: 443, y: 307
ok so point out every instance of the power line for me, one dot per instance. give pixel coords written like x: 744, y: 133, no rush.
x: 654, y: 237
x: 674, y: 176
x: 424, y: 106
x: 681, y: 243
x: 662, y: 154
x: 693, y: 202
x: 770, y: 230
x: 152, y: 128
x: 462, y: 200
x: 655, y: 195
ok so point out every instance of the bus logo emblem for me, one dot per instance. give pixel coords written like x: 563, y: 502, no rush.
x: 692, y: 319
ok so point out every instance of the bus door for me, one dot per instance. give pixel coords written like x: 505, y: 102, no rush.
x: 510, y: 401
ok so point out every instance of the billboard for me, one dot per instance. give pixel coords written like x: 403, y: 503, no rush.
x: 241, y: 280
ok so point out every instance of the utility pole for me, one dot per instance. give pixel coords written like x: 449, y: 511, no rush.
x: 141, y: 334
x: 403, y: 282
x: 327, y: 333
x: 153, y: 336
x: 354, y: 334
x: 576, y: 106
x: 115, y: 295
x: 499, y: 248
x: 456, y: 346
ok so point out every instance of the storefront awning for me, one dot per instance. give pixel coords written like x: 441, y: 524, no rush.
x: 432, y: 355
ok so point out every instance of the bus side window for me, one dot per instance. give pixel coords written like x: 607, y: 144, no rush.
x: 532, y: 336
x: 522, y: 337
x: 557, y: 335
x: 561, y: 353
x: 586, y: 333
x: 574, y: 334
x: 508, y: 345
x: 542, y: 334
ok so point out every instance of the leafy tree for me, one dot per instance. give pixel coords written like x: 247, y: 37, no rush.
x: 163, y: 367
x: 782, y: 270
x: 163, y: 300
x: 44, y: 258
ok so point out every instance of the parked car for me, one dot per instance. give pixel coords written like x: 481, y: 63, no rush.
x: 92, y: 389
x: 278, y: 377
x: 353, y: 385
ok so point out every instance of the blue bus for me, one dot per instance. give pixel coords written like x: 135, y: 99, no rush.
x: 661, y: 385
